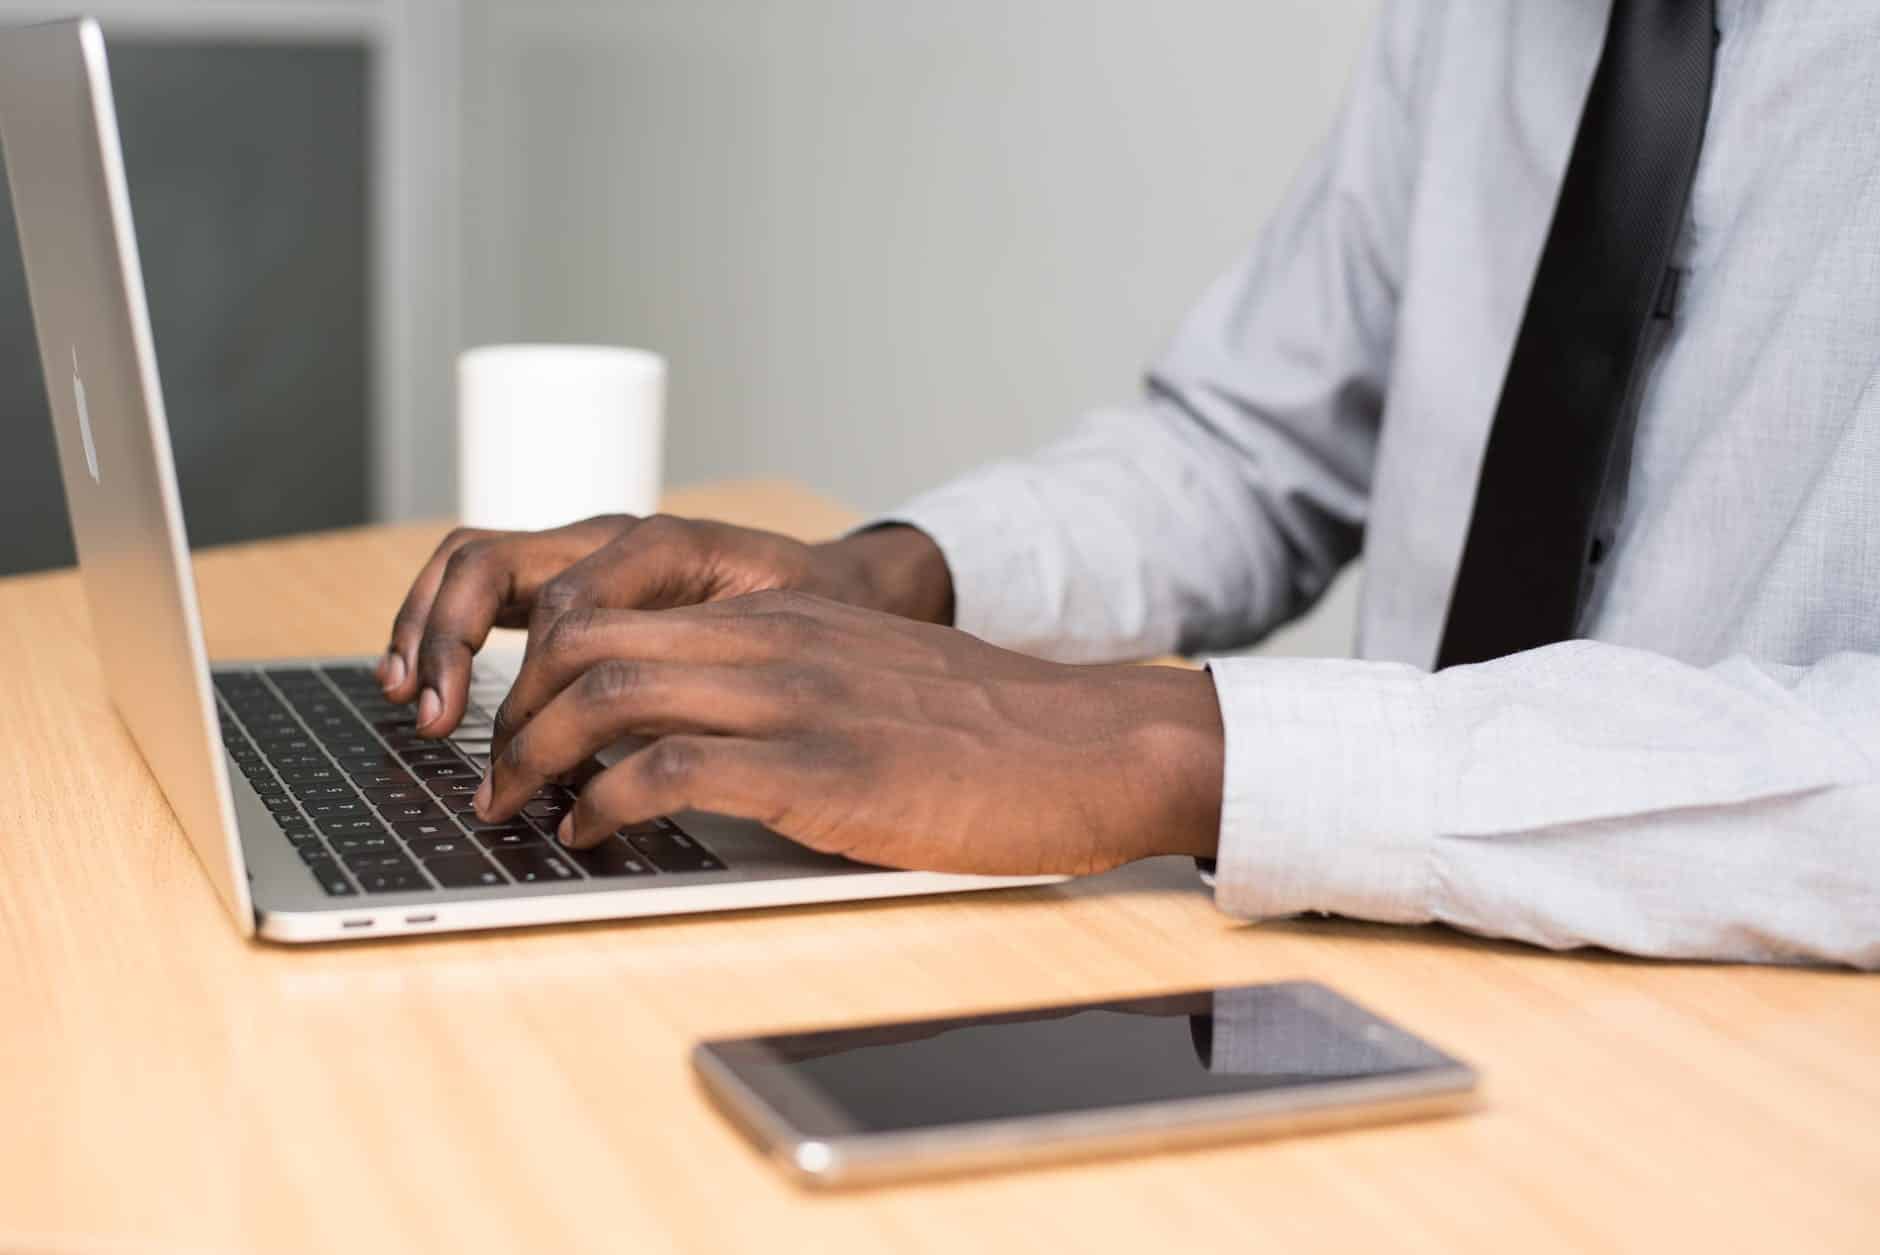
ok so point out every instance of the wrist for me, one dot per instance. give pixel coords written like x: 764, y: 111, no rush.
x: 895, y: 568
x: 1179, y: 750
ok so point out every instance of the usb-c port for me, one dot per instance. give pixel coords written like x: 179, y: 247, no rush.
x: 355, y: 923
x: 421, y: 919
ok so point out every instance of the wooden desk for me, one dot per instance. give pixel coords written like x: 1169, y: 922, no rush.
x: 167, y: 1087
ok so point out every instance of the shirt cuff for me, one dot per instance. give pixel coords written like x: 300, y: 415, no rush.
x: 1329, y: 788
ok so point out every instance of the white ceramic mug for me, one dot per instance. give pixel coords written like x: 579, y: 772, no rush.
x: 551, y: 433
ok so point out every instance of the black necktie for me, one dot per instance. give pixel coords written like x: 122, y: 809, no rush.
x: 1622, y: 201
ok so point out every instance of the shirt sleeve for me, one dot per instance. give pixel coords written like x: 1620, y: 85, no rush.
x: 1580, y: 794
x: 1223, y: 502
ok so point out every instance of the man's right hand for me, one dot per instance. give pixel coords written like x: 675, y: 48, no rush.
x: 477, y: 580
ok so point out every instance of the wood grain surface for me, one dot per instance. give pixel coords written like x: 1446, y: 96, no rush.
x: 165, y: 1086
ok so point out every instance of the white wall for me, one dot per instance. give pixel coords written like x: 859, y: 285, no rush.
x: 880, y: 240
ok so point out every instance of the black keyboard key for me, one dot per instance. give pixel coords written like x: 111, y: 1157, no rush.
x: 281, y: 744
x: 674, y: 851
x: 335, y: 808
x: 335, y: 728
x: 365, y: 843
x: 393, y: 794
x: 393, y: 881
x: 508, y: 838
x: 373, y: 780
x: 419, y: 829
x: 444, y: 771
x: 350, y: 675
x: 400, y: 720
x: 281, y: 805
x: 531, y: 865
x: 331, y: 878
x: 453, y: 788
x: 486, y: 825
x: 323, y: 792
x: 548, y: 808
x: 463, y: 871
x: 351, y: 826
x: 430, y: 752
x: 396, y: 741
x: 294, y: 827
x: 360, y: 862
x: 375, y: 760
x: 404, y: 812
x: 289, y: 677
x: 312, y: 775
x: 434, y: 847
x: 612, y: 857
x: 294, y: 762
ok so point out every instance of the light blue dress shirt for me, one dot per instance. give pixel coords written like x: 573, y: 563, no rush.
x: 1697, y: 777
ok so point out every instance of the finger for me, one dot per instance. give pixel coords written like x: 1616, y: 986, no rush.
x: 751, y: 779
x: 616, y: 698
x: 641, y: 569
x: 764, y: 627
x: 655, y: 563
x: 486, y: 581
x: 398, y: 670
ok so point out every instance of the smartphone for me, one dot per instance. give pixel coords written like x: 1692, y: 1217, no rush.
x: 860, y: 1105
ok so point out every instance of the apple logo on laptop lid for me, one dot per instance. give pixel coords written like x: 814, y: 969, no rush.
x: 84, y: 420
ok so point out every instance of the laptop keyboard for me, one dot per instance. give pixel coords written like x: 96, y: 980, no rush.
x: 374, y: 808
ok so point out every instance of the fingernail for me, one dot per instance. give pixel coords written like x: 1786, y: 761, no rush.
x: 430, y: 706
x: 564, y: 831
x: 482, y: 799
x: 394, y: 668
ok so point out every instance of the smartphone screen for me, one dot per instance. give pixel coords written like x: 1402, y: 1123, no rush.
x: 1088, y: 1059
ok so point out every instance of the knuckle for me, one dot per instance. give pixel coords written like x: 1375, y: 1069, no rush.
x: 566, y: 633
x: 670, y: 763
x: 806, y: 685
x: 435, y: 648
x: 468, y: 559
x: 612, y: 681
x: 560, y: 595
x: 520, y: 755
x: 661, y: 529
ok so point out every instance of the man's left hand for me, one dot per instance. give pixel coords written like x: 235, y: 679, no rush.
x: 893, y: 742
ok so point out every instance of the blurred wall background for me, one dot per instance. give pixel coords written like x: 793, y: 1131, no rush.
x: 882, y: 242
x: 879, y: 240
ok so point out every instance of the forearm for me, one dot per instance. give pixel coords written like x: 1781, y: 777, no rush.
x: 1583, y: 794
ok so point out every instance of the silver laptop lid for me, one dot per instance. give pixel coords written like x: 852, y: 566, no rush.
x: 59, y: 130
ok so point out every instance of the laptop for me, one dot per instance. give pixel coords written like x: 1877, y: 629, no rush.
x: 311, y: 803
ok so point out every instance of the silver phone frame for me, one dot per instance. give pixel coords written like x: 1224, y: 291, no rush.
x: 816, y: 1145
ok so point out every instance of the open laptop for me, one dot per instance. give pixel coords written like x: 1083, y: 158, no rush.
x: 314, y: 808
